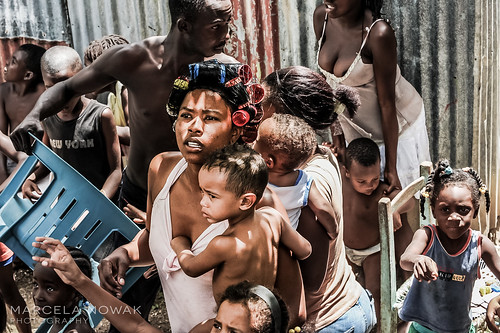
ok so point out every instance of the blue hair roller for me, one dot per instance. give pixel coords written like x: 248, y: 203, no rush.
x: 222, y: 73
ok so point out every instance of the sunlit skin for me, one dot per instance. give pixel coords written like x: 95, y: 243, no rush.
x: 232, y: 317
x: 15, y: 69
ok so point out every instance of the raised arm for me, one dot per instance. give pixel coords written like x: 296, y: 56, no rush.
x: 323, y: 211
x: 382, y: 43
x: 125, y: 320
x: 111, y: 184
x: 214, y: 254
x: 423, y: 267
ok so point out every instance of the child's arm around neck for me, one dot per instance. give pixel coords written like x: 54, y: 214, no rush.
x: 215, y: 253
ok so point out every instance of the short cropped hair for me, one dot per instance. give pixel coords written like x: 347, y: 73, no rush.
x: 61, y: 59
x: 362, y: 150
x: 187, y: 9
x: 34, y: 55
x: 291, y: 138
x: 245, y: 169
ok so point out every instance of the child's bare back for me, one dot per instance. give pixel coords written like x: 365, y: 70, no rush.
x: 253, y: 245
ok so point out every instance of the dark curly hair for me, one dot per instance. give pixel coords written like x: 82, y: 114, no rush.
x: 443, y: 175
x: 289, y: 137
x: 97, y: 47
x: 262, y: 316
x: 224, y: 79
x: 304, y: 93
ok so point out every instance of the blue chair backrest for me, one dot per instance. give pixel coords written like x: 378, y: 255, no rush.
x: 71, y: 209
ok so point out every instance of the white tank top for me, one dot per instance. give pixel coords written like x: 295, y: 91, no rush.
x: 189, y: 300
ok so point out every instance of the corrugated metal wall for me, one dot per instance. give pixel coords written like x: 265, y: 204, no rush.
x: 486, y: 143
x: 435, y: 47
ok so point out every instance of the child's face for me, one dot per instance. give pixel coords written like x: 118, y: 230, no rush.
x: 51, y: 296
x: 453, y: 210
x: 217, y: 203
x: 364, y: 179
x: 232, y: 317
x: 15, y: 69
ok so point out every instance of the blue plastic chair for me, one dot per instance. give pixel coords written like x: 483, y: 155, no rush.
x: 71, y: 209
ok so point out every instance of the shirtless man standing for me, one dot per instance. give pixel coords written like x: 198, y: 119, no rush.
x: 200, y: 28
x: 148, y: 69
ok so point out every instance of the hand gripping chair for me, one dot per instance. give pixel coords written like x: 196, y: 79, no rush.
x: 71, y: 209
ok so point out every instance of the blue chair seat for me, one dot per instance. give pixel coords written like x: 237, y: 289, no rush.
x: 71, y: 209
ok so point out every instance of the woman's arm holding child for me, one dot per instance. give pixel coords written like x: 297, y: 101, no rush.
x: 208, y: 259
x: 423, y: 267
x: 323, y: 211
x: 300, y: 246
x: 125, y: 320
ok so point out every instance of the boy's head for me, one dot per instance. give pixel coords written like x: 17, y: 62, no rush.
x: 52, y: 297
x: 59, y: 63
x: 25, y: 64
x: 285, y: 141
x: 232, y: 180
x: 362, y: 165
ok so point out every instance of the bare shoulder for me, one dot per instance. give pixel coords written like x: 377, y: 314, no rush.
x: 163, y: 163
x: 269, y: 213
x: 381, y: 31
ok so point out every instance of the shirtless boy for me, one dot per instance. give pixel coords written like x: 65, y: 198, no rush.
x: 232, y: 181
x: 362, y: 189
x: 19, y: 94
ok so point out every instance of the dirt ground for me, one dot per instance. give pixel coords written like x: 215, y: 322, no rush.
x: 158, y: 316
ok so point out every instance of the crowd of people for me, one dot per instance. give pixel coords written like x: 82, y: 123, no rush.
x: 257, y: 202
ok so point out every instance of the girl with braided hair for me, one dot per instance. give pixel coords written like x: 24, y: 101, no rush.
x: 446, y: 255
x: 357, y: 48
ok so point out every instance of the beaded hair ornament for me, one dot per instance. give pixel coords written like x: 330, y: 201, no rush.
x: 233, y: 82
x: 440, y: 175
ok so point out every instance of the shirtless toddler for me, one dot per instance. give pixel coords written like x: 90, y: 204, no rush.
x: 362, y: 189
x: 232, y: 181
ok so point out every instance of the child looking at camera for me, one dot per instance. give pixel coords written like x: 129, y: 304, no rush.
x: 232, y: 182
x: 60, y: 303
x: 446, y: 255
